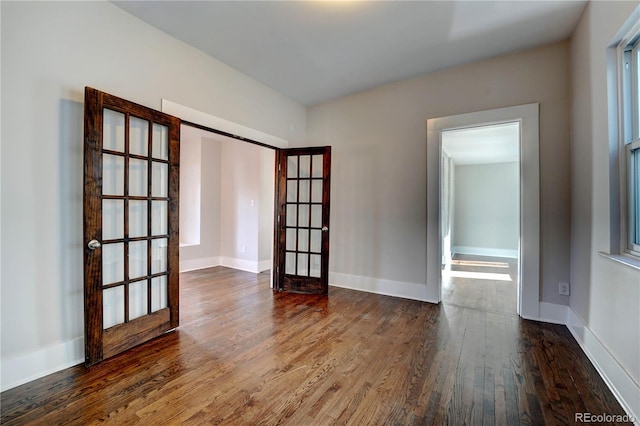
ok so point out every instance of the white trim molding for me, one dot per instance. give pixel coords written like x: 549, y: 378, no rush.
x: 552, y: 313
x: 195, y: 264
x: 241, y: 264
x: 264, y: 265
x: 202, y: 118
x: 228, y: 262
x: 529, y: 251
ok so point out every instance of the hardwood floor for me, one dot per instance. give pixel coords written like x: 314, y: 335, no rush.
x: 245, y: 355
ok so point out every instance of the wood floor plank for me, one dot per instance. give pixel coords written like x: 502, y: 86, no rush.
x: 246, y: 355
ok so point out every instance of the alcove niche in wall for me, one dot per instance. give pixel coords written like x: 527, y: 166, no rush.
x: 226, y: 202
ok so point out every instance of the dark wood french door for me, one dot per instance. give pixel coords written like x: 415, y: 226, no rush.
x: 301, y: 252
x: 131, y: 184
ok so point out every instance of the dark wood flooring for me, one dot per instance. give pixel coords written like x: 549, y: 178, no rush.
x: 245, y: 355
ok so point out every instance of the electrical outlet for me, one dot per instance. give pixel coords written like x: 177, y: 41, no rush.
x: 563, y: 289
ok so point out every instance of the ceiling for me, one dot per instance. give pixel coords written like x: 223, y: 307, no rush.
x: 498, y: 143
x: 313, y: 51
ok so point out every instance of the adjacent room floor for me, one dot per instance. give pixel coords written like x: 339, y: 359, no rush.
x: 481, y: 282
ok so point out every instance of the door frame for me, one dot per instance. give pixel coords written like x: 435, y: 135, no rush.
x: 528, y: 305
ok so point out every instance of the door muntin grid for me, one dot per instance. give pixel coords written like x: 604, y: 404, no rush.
x: 135, y: 217
x: 303, y: 210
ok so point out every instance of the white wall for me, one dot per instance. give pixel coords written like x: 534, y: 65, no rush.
x: 207, y: 251
x: 605, y: 296
x: 486, y: 216
x: 379, y: 196
x: 190, y: 186
x: 50, y: 51
x: 240, y: 195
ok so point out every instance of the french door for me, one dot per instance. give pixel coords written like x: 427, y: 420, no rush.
x: 131, y: 183
x: 301, y: 252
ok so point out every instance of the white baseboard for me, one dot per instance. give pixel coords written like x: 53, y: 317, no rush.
x: 483, y: 251
x: 621, y: 384
x: 21, y: 369
x: 406, y: 290
x: 241, y: 264
x: 553, y: 313
x: 230, y: 262
x: 195, y: 264
x: 264, y: 265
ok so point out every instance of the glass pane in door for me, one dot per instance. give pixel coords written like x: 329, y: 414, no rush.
x: 159, y: 179
x: 291, y: 239
x: 112, y: 174
x: 113, y: 130
x: 303, y: 194
x: 314, y: 271
x: 316, y: 216
x: 159, y: 217
x: 292, y: 214
x: 305, y: 166
x: 138, y: 178
x: 160, y: 142
x: 292, y: 167
x: 137, y: 218
x: 112, y: 219
x: 303, y: 265
x: 158, y: 293
x: 316, y: 191
x: 137, y: 299
x: 137, y: 259
x: 138, y: 136
x: 316, y: 164
x: 112, y: 263
x: 112, y: 306
x: 290, y: 263
x: 316, y: 241
x: 158, y: 255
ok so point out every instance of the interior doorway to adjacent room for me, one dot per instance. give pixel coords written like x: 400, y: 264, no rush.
x: 480, y: 216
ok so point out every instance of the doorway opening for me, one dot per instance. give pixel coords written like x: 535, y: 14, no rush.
x: 480, y: 217
x: 226, y: 202
x: 528, y: 275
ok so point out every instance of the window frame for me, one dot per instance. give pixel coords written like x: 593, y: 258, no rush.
x: 629, y: 137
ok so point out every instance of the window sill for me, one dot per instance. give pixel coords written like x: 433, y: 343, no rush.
x: 625, y: 259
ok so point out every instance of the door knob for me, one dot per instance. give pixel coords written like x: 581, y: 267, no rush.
x: 325, y: 229
x: 94, y: 244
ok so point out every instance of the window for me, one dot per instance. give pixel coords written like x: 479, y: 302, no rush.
x: 630, y: 137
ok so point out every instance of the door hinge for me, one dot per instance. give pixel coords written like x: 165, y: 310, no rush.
x: 279, y: 166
